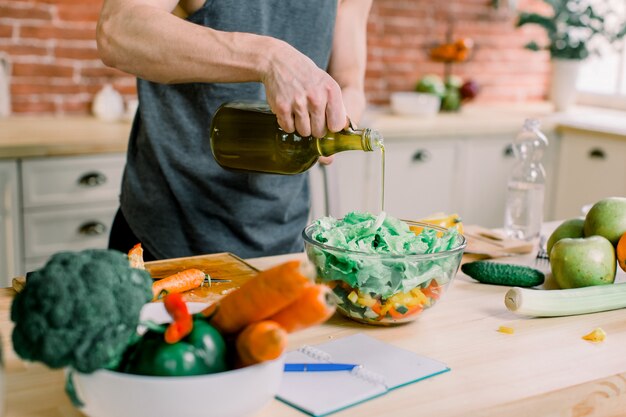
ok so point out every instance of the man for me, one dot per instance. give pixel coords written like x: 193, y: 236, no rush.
x: 175, y: 199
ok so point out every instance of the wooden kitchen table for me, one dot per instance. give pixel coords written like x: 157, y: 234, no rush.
x: 543, y: 369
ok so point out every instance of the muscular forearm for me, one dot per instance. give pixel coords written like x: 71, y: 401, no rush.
x: 354, y: 101
x: 143, y: 37
x: 347, y: 63
x: 167, y: 49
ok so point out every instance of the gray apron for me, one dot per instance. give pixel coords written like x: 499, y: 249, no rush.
x: 175, y: 197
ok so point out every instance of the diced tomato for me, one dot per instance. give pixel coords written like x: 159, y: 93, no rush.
x: 394, y: 313
x: 433, y: 290
x: 376, y: 308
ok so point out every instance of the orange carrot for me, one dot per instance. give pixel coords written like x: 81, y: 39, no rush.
x: 314, y: 306
x: 135, y: 256
x: 182, y: 281
x: 262, y: 296
x: 261, y: 341
x: 183, y: 322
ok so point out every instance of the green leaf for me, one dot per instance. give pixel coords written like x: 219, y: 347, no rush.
x: 536, y: 19
x: 533, y: 46
x: 575, y: 21
x: 592, y: 14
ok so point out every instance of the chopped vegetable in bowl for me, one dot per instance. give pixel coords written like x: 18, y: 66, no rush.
x: 381, y: 271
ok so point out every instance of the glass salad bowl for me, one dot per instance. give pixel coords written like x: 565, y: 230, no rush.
x: 398, y: 270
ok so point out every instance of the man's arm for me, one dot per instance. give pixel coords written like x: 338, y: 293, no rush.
x: 142, y: 37
x: 349, y: 54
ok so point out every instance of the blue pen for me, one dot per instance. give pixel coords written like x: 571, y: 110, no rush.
x: 318, y: 367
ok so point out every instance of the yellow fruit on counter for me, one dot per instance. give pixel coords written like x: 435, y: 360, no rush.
x: 442, y: 220
x: 506, y: 330
x: 597, y: 335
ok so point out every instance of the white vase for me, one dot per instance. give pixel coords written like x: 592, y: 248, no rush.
x: 563, y: 78
x: 108, y: 104
x: 5, y: 85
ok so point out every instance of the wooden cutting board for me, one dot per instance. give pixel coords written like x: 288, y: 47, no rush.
x: 219, y: 265
x: 492, y: 244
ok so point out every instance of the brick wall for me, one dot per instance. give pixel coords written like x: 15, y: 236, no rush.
x: 52, y: 45
x: 400, y: 33
x: 56, y: 67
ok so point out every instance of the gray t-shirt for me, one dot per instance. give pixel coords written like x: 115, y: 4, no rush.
x: 175, y: 197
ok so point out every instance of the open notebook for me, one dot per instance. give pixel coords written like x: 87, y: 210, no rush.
x: 383, y: 368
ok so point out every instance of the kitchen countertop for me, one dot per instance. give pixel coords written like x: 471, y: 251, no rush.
x: 544, y: 369
x: 39, y: 136
x: 594, y: 120
x: 30, y: 136
x: 474, y: 120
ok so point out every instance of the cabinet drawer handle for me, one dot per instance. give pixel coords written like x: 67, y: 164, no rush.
x: 508, y: 151
x: 92, y: 179
x: 421, y: 156
x: 92, y: 228
x: 597, y: 153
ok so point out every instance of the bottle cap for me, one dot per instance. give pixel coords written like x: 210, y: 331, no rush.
x: 532, y: 124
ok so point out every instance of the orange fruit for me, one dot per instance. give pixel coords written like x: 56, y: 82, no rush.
x: 621, y: 252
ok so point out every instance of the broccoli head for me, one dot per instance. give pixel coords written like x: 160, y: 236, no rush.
x: 80, y: 310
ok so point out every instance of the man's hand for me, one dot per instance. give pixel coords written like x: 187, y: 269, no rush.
x: 304, y: 98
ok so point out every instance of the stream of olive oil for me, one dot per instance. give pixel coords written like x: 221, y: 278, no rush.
x: 382, y: 186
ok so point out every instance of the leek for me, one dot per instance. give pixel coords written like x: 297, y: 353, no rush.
x: 568, y: 302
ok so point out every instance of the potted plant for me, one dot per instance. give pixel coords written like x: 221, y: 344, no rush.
x: 576, y: 29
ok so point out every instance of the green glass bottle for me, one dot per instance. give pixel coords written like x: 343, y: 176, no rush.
x: 245, y: 136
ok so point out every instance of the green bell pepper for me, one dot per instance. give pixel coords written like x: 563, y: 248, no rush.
x: 201, y: 352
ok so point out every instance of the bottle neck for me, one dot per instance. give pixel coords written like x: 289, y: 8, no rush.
x: 349, y: 140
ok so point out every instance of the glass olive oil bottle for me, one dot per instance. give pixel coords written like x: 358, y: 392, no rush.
x: 245, y: 136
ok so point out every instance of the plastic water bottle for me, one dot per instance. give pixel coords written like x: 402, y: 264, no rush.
x: 523, y: 213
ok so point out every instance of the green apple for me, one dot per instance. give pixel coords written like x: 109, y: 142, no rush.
x: 432, y: 84
x: 607, y: 218
x: 569, y: 228
x: 583, y: 262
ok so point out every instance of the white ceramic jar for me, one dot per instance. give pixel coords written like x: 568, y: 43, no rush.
x: 108, y: 104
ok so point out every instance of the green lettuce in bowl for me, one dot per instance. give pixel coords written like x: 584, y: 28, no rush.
x: 383, y: 270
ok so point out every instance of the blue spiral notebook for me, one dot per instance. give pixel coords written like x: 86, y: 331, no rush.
x: 383, y: 367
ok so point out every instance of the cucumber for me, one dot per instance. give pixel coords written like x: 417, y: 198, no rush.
x: 503, y: 274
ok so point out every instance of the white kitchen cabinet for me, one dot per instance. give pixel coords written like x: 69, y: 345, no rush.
x: 453, y: 174
x: 488, y: 163
x: 590, y: 167
x: 10, y: 248
x: 346, y: 184
x: 68, y: 203
x: 316, y: 189
x: 67, y: 228
x: 354, y: 187
x: 48, y: 182
x: 420, y: 178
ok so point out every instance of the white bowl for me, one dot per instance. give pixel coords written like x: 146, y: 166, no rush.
x: 235, y: 393
x: 415, y: 104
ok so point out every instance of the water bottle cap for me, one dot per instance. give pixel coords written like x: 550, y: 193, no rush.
x: 532, y: 124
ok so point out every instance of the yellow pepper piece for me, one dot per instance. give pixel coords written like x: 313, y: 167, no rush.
x: 419, y: 295
x: 366, y: 301
x: 353, y: 297
x: 597, y: 335
x: 386, y: 307
x: 506, y: 330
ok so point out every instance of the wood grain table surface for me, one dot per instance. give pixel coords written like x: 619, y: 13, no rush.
x: 544, y: 369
